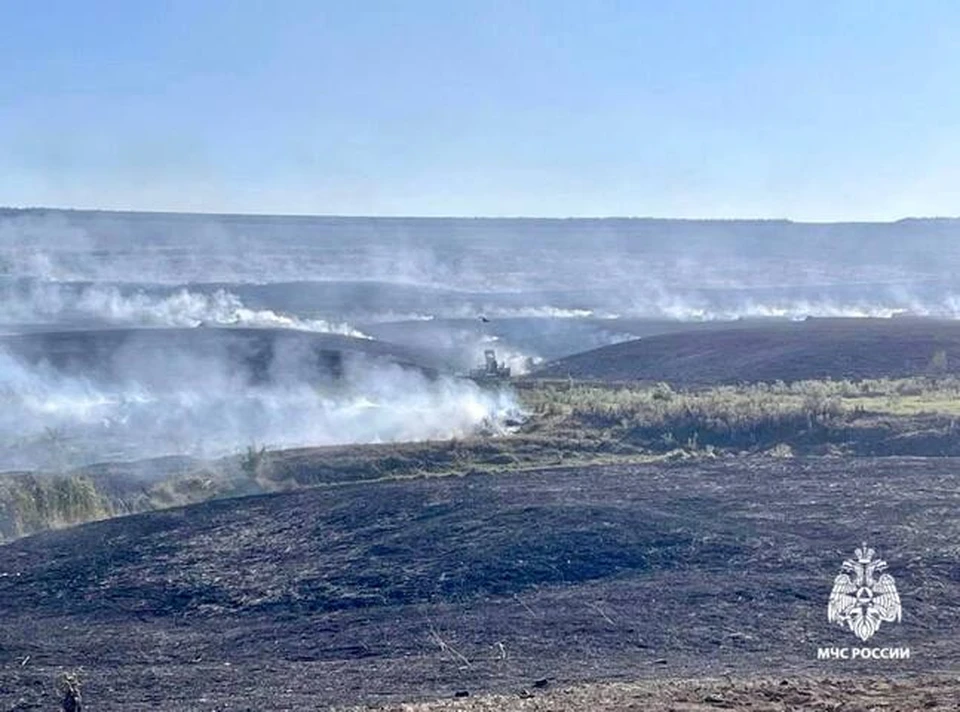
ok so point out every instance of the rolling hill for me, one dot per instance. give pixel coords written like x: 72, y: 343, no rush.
x: 787, y: 351
x: 423, y: 589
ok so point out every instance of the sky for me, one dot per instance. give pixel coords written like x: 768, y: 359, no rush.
x: 798, y: 109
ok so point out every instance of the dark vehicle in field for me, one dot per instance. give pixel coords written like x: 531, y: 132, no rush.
x: 492, y: 371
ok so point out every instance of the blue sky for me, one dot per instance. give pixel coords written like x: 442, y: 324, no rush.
x: 805, y: 110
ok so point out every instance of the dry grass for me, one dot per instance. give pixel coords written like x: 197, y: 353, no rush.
x: 753, y: 417
x: 659, y: 401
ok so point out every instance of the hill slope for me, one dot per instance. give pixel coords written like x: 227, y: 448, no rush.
x: 99, y: 352
x: 788, y: 351
x: 418, y: 589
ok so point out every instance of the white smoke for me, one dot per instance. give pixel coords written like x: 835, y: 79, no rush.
x: 181, y: 403
x: 685, y: 306
x: 50, y: 302
x: 188, y: 309
x: 518, y: 361
x: 552, y: 278
x: 392, y: 317
x: 538, y: 311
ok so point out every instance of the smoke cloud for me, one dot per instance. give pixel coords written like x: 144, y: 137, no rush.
x: 33, y: 302
x: 179, y: 402
x: 530, y: 289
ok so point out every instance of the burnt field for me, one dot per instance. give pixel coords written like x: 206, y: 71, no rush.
x: 372, y: 593
x: 786, y: 351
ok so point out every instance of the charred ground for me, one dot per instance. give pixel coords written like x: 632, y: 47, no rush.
x: 786, y: 351
x: 625, y: 533
x: 365, y: 593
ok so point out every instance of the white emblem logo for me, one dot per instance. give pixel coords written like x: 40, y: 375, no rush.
x: 861, y: 599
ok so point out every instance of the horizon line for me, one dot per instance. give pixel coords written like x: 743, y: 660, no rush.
x: 347, y: 216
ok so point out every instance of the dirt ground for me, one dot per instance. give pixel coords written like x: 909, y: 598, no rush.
x: 757, y: 695
x: 527, y: 583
